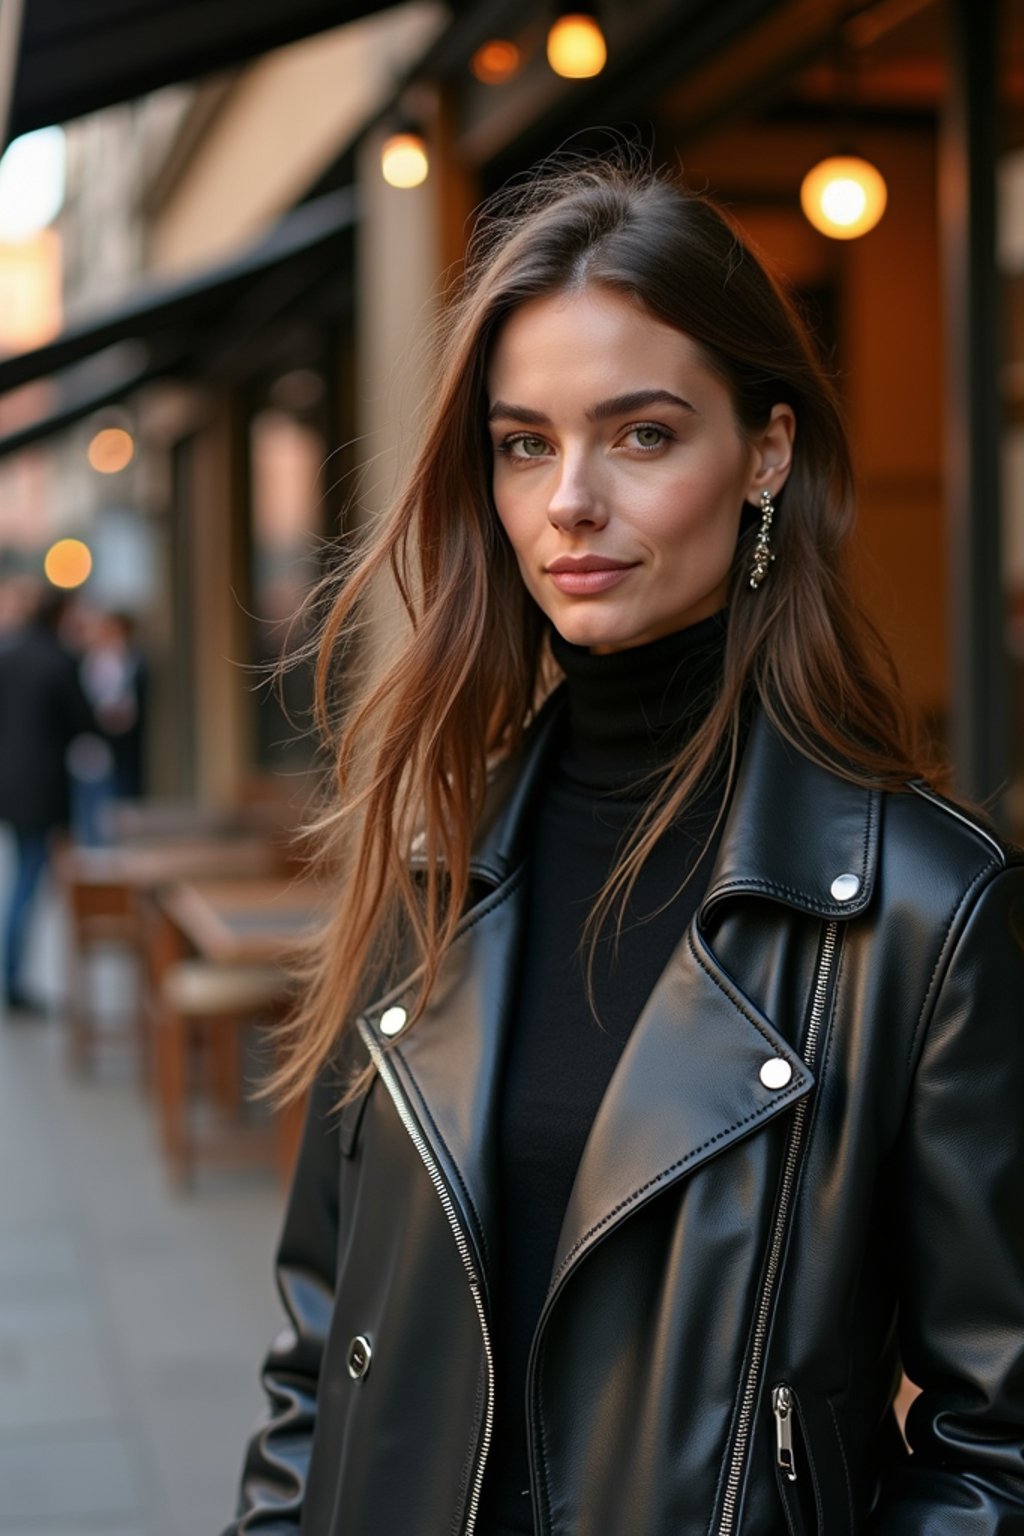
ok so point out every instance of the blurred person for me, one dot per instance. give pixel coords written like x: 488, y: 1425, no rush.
x: 664, y: 1038
x: 42, y: 709
x: 106, y: 764
x: 18, y: 598
x: 114, y: 676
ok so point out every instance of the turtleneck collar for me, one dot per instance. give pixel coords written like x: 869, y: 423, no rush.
x: 631, y: 712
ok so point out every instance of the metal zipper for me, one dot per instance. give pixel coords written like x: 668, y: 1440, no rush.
x: 738, y: 1458
x: 407, y: 1118
x: 782, y: 1408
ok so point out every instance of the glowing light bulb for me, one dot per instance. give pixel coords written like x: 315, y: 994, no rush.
x: 495, y: 61
x: 67, y: 563
x: 403, y: 160
x: 576, y: 47
x: 32, y: 174
x: 111, y: 450
x: 843, y: 196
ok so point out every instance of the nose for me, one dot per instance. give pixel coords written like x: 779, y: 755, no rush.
x: 576, y: 498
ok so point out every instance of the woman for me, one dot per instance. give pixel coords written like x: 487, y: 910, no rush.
x: 675, y: 1021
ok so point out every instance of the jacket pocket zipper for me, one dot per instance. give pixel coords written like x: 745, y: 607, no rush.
x: 782, y: 1408
x: 790, y: 1426
x: 791, y: 1165
x: 407, y: 1118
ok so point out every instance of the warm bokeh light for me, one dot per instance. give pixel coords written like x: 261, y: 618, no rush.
x: 30, y: 291
x: 67, y: 563
x: 576, y: 47
x: 843, y: 196
x: 111, y: 450
x: 403, y: 160
x: 32, y: 174
x: 495, y: 61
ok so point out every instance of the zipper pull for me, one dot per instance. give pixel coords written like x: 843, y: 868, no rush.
x: 782, y: 1407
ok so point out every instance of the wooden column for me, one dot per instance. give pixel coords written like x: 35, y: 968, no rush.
x: 980, y: 697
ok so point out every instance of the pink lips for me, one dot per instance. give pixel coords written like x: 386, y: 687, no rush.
x: 587, y: 574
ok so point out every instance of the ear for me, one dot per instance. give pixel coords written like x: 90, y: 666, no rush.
x: 773, y: 454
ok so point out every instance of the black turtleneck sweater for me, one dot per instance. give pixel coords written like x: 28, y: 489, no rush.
x: 627, y: 714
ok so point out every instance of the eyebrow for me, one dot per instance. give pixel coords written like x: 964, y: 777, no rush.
x: 619, y: 405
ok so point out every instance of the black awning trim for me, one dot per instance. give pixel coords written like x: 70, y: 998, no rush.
x: 77, y: 56
x: 87, y: 387
x: 158, y: 306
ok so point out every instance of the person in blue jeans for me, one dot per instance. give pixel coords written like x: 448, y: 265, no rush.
x: 42, y: 709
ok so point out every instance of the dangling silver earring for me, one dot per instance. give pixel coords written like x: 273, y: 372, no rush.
x: 763, y: 556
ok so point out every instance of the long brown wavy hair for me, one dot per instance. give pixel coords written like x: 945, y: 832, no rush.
x: 412, y: 749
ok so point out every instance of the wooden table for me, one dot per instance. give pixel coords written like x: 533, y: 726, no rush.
x: 221, y: 926
x: 260, y: 920
x: 146, y: 865
x: 106, y: 890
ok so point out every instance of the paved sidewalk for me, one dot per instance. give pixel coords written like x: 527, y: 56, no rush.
x: 132, y: 1321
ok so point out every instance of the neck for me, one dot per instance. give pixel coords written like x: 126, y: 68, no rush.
x: 630, y: 713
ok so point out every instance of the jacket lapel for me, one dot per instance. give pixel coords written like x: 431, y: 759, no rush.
x: 795, y: 830
x: 687, y: 1086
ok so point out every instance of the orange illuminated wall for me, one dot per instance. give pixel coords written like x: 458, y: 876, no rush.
x: 30, y: 314
x: 30, y: 292
x: 893, y: 368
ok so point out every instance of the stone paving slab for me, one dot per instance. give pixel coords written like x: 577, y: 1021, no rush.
x: 51, y: 1477
x: 52, y: 1369
x: 105, y: 1525
x: 42, y: 1257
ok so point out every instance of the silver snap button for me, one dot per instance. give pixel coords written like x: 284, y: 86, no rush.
x: 775, y: 1072
x: 392, y: 1021
x: 845, y: 887
x: 359, y: 1357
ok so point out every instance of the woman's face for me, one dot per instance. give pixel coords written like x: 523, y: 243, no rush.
x: 620, y: 472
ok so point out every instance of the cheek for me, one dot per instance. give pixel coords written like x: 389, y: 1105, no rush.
x: 707, y: 507
x: 515, y: 533
x: 514, y: 514
x: 507, y: 522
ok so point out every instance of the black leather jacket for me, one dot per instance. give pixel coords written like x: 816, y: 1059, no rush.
x: 808, y: 1169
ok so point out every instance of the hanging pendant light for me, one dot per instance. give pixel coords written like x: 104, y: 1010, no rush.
x: 68, y: 564
x: 576, y: 46
x: 404, y: 161
x: 496, y: 61
x: 843, y: 196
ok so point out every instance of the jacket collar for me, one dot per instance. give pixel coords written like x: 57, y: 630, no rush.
x: 796, y: 832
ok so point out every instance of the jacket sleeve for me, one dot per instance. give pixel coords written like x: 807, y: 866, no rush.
x: 961, y: 1216
x: 277, y: 1459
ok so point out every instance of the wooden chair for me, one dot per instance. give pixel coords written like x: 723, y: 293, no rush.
x: 206, y: 1011
x: 102, y: 915
x: 107, y: 891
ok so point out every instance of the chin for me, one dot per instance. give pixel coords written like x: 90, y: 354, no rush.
x: 586, y: 630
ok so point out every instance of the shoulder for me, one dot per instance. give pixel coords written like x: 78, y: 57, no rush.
x: 948, y: 883
x: 948, y: 842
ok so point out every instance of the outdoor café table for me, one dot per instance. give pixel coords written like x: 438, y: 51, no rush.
x: 232, y: 940
x: 256, y: 920
x: 107, y: 890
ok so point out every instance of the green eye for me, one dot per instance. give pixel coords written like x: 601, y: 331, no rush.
x: 530, y: 447
x: 649, y: 437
